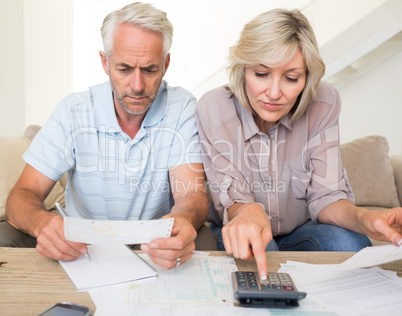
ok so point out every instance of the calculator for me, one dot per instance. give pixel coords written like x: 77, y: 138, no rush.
x: 278, y: 290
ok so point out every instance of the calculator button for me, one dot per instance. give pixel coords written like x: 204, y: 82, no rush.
x: 276, y: 287
x: 288, y: 288
x: 242, y: 287
x: 265, y: 287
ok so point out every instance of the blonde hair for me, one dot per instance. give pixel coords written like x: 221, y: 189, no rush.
x: 271, y: 39
x: 140, y: 14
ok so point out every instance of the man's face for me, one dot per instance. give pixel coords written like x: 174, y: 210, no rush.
x: 135, y: 67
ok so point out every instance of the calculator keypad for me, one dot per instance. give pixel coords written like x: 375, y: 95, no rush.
x: 274, y: 282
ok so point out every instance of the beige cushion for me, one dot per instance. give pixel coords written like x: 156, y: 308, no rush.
x: 396, y: 161
x: 11, y: 166
x: 370, y: 171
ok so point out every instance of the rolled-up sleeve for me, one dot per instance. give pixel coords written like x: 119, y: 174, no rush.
x: 329, y: 182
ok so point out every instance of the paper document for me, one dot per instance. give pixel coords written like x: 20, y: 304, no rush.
x: 346, y: 288
x: 199, y: 280
x: 368, y: 292
x: 109, y: 264
x: 372, y: 256
x: 367, y: 257
x: 115, y: 231
x: 202, y: 283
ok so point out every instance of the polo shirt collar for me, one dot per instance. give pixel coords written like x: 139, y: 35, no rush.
x: 157, y: 111
x: 104, y: 111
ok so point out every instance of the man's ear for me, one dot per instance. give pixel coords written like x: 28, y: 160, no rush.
x: 104, y: 62
x: 167, y: 62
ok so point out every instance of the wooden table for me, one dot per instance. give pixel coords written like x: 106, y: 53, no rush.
x: 31, y: 283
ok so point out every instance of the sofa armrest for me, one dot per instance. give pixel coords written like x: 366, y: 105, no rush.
x: 396, y: 161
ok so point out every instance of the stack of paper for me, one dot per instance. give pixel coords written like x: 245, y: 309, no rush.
x: 346, y: 289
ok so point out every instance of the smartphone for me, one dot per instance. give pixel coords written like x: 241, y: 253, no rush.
x: 67, y: 309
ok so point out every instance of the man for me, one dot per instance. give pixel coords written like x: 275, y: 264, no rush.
x: 129, y: 147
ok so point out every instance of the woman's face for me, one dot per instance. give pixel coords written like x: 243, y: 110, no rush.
x: 272, y: 92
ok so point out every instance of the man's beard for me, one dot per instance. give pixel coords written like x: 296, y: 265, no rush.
x: 120, y: 99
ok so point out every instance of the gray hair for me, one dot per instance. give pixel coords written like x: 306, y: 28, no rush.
x: 271, y: 39
x: 139, y: 14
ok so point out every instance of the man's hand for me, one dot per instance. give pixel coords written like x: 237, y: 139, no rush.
x: 26, y: 211
x: 51, y: 242
x: 247, y: 235
x: 190, y: 211
x: 165, y: 251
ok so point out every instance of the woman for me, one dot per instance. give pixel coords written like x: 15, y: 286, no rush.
x: 272, y: 152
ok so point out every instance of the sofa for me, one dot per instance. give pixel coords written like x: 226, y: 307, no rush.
x: 376, y: 177
x: 12, y: 164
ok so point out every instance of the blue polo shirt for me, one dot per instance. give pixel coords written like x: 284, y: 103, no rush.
x: 110, y: 175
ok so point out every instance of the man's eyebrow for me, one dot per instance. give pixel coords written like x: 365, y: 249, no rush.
x: 150, y: 67
x: 125, y: 65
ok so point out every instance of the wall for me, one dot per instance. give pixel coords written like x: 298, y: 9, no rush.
x: 12, y: 84
x: 372, y: 105
x: 48, y: 44
x: 36, y: 60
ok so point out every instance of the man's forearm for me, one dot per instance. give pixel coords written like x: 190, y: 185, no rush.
x: 194, y: 207
x: 25, y: 211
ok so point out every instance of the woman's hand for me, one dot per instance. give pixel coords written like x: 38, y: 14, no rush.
x: 385, y: 225
x: 247, y: 234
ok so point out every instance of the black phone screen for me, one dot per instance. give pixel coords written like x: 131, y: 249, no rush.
x: 65, y: 309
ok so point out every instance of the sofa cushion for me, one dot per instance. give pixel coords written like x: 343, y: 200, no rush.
x: 11, y: 166
x: 370, y: 171
x: 396, y: 161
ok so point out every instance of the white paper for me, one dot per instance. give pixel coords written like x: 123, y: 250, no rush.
x: 350, y: 292
x: 117, y: 232
x: 168, y: 295
x: 199, y: 280
x: 201, y: 284
x: 109, y: 264
x: 373, y: 256
x: 367, y: 257
x: 191, y: 309
x: 331, y: 289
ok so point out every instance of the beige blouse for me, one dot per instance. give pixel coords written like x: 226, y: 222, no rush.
x: 293, y: 172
